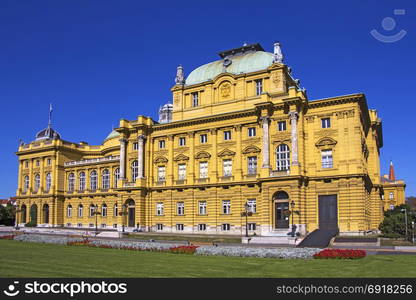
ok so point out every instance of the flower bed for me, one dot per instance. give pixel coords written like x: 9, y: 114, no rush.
x: 340, y: 254
x: 183, y: 249
x: 7, y: 237
x: 46, y: 239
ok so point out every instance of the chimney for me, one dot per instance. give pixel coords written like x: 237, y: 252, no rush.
x: 391, y: 172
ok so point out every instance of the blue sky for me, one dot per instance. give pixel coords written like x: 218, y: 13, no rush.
x: 99, y: 61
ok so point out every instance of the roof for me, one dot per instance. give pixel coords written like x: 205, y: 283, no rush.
x: 47, y: 133
x: 113, y: 134
x: 245, y: 62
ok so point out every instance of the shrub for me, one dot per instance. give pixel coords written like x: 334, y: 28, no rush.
x: 31, y: 223
x: 340, y: 254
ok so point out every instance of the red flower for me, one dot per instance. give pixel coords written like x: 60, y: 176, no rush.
x: 340, y: 254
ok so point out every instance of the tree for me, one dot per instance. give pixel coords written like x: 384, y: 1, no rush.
x: 394, y: 223
x: 411, y: 201
x: 7, y: 215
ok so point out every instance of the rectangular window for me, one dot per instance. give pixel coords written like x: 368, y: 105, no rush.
x: 251, y: 226
x: 161, y: 173
x: 252, y: 165
x: 251, y: 131
x: 228, y: 167
x: 103, y: 225
x: 79, y: 225
x: 252, y: 205
x: 202, y: 227
x: 391, y: 196
x: 259, y: 86
x: 179, y: 227
x: 182, y: 171
x: 91, y: 225
x: 159, y: 226
x: 327, y: 161
x: 203, y: 169
x: 26, y: 164
x: 135, y: 146
x: 182, y: 141
x: 115, y: 226
x: 162, y: 144
x: 226, y: 207
x: 195, y: 100
x: 202, y: 207
x: 227, y: 135
x: 37, y: 163
x: 225, y: 227
x: 159, y: 209
x: 326, y: 122
x: 180, y: 208
x: 49, y: 162
x: 281, y: 126
x: 204, y: 138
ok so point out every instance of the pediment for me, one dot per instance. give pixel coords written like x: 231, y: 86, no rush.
x: 160, y: 159
x: 251, y: 149
x: 226, y: 152
x: 181, y: 157
x: 202, y: 154
x: 326, y: 142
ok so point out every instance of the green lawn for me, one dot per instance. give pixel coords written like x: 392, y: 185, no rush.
x: 19, y: 259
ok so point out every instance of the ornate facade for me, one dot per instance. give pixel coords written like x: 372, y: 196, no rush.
x: 239, y: 135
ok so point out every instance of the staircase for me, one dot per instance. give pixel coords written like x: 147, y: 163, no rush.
x: 319, y: 238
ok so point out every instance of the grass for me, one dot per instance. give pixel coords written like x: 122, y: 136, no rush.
x: 395, y: 242
x: 185, y: 238
x: 20, y: 259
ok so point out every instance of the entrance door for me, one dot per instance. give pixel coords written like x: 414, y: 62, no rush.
x: 46, y: 214
x: 282, y: 219
x: 132, y: 211
x: 328, y: 212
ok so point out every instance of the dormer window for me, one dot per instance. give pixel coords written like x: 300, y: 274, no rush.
x: 195, y: 100
x: 259, y: 87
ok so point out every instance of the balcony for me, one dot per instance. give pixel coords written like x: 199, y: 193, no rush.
x: 91, y: 161
x: 226, y: 178
x: 180, y: 181
x: 129, y: 184
x: 250, y: 176
x: 203, y: 180
x: 279, y: 173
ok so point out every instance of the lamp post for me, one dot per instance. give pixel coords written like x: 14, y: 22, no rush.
x: 405, y: 218
x: 17, y: 219
x: 96, y: 213
x: 123, y: 213
x: 246, y: 207
x: 413, y: 232
x: 292, y: 206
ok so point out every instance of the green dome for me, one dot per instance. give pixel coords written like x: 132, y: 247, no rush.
x: 246, y: 63
x: 113, y: 134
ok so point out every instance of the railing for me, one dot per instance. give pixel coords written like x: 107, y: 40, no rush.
x: 279, y: 173
x: 91, y: 160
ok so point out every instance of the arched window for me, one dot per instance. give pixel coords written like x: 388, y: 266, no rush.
x: 71, y: 182
x: 92, y: 210
x: 115, y: 210
x: 135, y: 170
x: 80, y: 209
x: 104, y: 210
x: 106, y: 179
x: 93, y: 180
x: 37, y: 182
x: 282, y: 157
x: 116, y: 176
x: 82, y: 181
x: 26, y: 183
x: 48, y: 181
x: 69, y: 211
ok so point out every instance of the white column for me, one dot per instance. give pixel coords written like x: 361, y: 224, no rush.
x: 123, y: 158
x: 140, y: 153
x: 266, y: 142
x: 293, y: 116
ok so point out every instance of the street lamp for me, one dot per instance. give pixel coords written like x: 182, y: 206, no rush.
x: 292, y: 206
x: 246, y: 213
x: 16, y: 217
x: 413, y: 233
x: 405, y: 218
x: 123, y: 213
x: 96, y: 213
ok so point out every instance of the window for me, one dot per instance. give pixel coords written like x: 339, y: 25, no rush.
x: 68, y: 224
x: 228, y: 167
x: 281, y: 126
x: 282, y: 157
x: 26, y: 164
x: 26, y: 183
x: 79, y: 225
x: 136, y: 146
x: 203, y: 169
x: 71, y: 182
x: 252, y: 205
x: 161, y: 173
x: 391, y: 196
x: 225, y: 227
x: 162, y: 144
x: 106, y: 179
x: 37, y: 163
x: 227, y: 135
x: 159, y: 209
x: 202, y: 207
x: 80, y: 208
x: 93, y: 180
x: 251, y: 131
x: 115, y: 210
x: 179, y: 227
x: 195, y: 99
x: 134, y: 170
x: 202, y: 227
x: 115, y: 226
x: 326, y: 122
x: 103, y: 225
x: 104, y: 210
x: 69, y: 211
x: 204, y: 138
x: 226, y: 207
x: 48, y: 181
x: 180, y: 208
x: 182, y: 171
x: 182, y: 141
x: 116, y: 177
x: 48, y: 161
x: 391, y: 207
x: 81, y: 181
x: 327, y: 162
x: 251, y: 226
x: 259, y: 86
x: 252, y: 165
x: 37, y: 182
x: 159, y: 226
x: 91, y: 225
x: 92, y: 210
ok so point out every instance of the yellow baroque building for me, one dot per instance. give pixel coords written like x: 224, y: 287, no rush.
x: 240, y: 135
